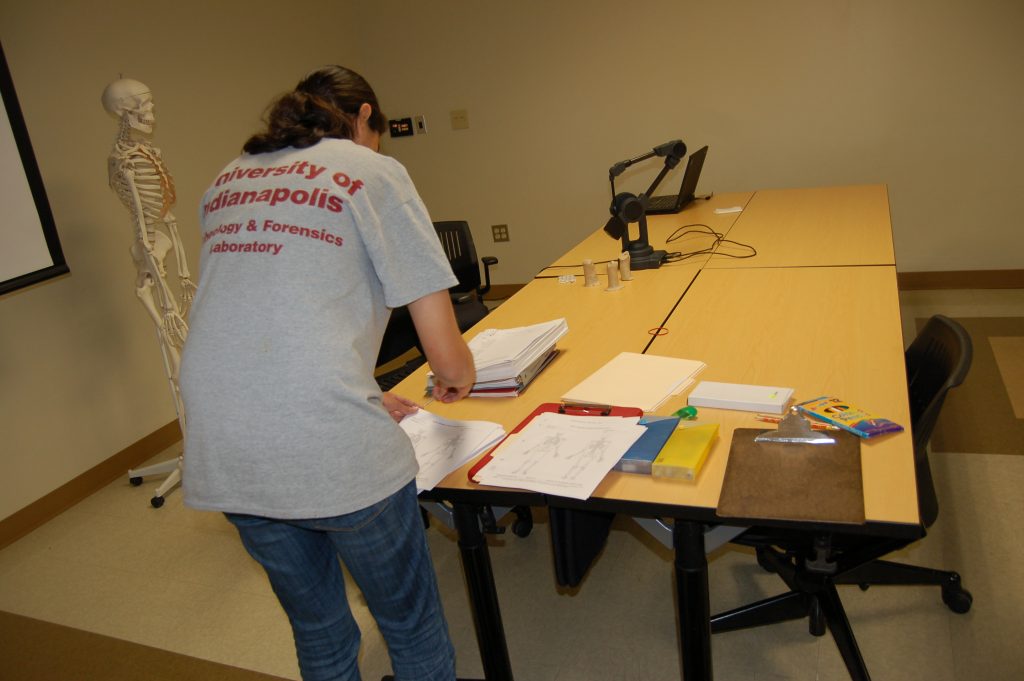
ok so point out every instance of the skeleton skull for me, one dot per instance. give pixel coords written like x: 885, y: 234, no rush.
x: 130, y: 100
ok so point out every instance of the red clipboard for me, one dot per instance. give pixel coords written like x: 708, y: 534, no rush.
x: 560, y: 408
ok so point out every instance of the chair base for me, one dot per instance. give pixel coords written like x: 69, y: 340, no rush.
x: 813, y: 595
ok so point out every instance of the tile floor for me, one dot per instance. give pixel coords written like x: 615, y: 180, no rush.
x: 178, y: 579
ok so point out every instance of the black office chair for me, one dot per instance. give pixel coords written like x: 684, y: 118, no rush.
x: 468, y: 294
x: 812, y: 564
x: 467, y: 300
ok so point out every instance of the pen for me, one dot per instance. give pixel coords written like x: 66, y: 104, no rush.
x: 815, y: 425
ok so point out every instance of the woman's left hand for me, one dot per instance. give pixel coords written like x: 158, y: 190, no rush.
x: 399, y: 407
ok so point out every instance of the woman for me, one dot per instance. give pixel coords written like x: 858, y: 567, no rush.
x: 309, y: 238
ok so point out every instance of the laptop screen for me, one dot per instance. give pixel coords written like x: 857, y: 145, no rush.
x: 692, y: 174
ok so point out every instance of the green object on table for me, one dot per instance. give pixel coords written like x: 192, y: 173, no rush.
x: 687, y: 413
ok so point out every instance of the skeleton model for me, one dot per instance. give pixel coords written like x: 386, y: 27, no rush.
x: 140, y: 179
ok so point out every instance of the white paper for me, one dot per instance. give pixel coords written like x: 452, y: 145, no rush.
x: 442, y: 445
x: 634, y: 380
x: 562, y: 454
x: 500, y: 354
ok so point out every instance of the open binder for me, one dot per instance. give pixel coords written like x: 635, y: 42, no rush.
x: 577, y: 536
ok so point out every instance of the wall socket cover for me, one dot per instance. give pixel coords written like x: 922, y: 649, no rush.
x: 460, y: 119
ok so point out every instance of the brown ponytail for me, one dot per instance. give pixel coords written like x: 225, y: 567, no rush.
x: 324, y: 104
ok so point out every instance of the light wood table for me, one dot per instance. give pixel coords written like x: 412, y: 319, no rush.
x: 772, y: 327
x: 601, y: 248
x: 813, y: 227
x: 601, y: 325
x: 814, y: 310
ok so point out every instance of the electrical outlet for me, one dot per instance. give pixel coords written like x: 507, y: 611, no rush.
x: 499, y: 232
x: 460, y: 119
x: 420, y: 123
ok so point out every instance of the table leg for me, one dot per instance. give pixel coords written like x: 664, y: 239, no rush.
x: 693, y: 600
x: 483, y: 597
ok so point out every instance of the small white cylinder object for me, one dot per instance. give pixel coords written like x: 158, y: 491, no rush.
x: 589, y: 273
x: 613, y: 276
x: 624, y: 272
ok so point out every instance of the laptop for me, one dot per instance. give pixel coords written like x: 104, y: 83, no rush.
x: 660, y: 205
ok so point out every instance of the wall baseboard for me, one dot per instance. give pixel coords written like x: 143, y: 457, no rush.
x: 39, y: 512
x: 964, y: 279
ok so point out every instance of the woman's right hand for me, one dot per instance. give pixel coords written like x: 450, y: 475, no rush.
x: 445, y: 393
x: 449, y: 356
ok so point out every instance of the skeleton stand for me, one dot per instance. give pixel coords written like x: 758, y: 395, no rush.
x: 140, y: 179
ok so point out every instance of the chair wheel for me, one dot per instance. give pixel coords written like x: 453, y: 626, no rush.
x: 816, y: 623
x: 136, y: 481
x: 522, y: 528
x: 426, y: 518
x: 957, y: 598
x: 766, y: 564
x: 523, y: 524
x: 864, y: 586
x: 156, y: 502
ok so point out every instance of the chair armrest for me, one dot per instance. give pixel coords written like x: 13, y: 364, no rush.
x: 487, y: 260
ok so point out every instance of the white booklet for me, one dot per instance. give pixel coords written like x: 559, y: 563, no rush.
x: 634, y: 380
x: 767, y: 398
x: 442, y: 445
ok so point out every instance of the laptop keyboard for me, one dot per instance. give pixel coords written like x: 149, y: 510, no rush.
x: 661, y: 203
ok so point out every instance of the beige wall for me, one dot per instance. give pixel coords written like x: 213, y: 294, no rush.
x: 792, y: 93
x: 924, y: 95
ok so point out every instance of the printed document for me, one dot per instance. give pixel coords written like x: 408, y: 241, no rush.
x: 442, y: 445
x: 562, y: 454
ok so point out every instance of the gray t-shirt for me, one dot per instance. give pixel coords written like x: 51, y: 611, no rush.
x: 303, y: 252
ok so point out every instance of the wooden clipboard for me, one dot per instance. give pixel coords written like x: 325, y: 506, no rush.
x: 792, y: 481
x: 557, y: 407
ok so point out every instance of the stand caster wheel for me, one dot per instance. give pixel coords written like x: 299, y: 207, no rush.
x: 136, y: 481
x: 157, y: 502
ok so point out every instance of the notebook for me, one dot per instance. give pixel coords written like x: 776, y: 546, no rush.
x: 659, y: 205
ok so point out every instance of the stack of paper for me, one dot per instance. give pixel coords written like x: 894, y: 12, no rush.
x: 561, y: 454
x: 442, y: 445
x: 634, y: 380
x: 507, y: 360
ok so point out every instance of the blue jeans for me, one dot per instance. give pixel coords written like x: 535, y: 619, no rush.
x: 385, y: 550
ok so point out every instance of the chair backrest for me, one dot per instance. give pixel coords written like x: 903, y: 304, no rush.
x: 937, y: 361
x: 457, y: 241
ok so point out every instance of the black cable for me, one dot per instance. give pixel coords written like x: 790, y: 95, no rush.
x: 677, y: 256
x: 719, y: 240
